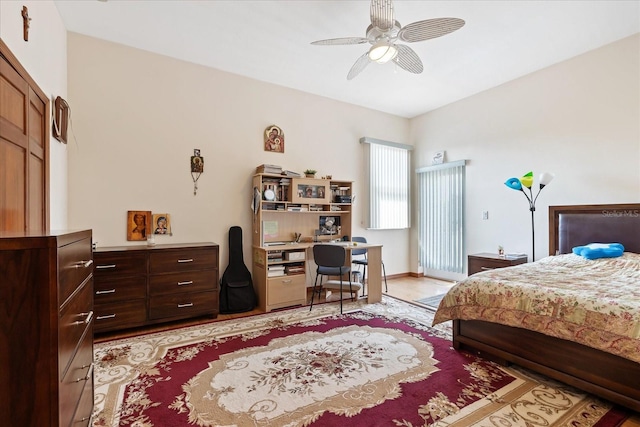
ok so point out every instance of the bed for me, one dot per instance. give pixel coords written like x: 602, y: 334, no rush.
x: 612, y: 373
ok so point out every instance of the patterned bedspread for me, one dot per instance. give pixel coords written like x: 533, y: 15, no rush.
x: 592, y: 302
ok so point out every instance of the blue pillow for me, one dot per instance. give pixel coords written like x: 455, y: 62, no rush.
x: 599, y: 250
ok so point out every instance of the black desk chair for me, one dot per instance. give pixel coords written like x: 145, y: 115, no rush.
x: 330, y: 260
x: 364, y: 262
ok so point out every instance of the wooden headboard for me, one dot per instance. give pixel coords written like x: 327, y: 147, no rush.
x: 577, y: 225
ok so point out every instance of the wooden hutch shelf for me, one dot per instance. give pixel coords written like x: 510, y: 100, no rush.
x: 305, y: 209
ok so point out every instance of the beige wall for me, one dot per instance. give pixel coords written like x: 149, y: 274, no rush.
x: 579, y: 119
x: 44, y: 56
x: 138, y: 116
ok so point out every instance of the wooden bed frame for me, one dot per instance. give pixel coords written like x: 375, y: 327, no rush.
x: 606, y: 375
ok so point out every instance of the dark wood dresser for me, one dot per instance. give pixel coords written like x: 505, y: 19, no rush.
x: 487, y: 261
x: 46, y: 329
x: 142, y: 285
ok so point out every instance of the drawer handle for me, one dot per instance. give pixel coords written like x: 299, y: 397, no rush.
x: 88, y: 376
x: 86, y: 320
x: 106, y: 316
x: 286, y: 281
x: 84, y: 264
x: 189, y: 304
x: 185, y: 260
x: 188, y: 282
x: 109, y: 291
x: 99, y: 267
x: 486, y: 268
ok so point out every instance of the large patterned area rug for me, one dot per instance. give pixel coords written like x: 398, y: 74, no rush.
x: 376, y: 365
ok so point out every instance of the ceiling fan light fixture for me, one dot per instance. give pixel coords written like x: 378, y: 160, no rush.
x: 382, y: 52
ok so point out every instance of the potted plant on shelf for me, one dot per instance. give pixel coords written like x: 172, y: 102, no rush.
x: 310, y: 173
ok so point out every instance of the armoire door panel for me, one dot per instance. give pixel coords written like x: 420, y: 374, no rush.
x: 36, y: 206
x: 14, y: 92
x: 36, y: 124
x: 24, y: 148
x: 12, y: 186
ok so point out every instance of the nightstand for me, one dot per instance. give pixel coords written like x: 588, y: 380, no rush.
x: 486, y: 261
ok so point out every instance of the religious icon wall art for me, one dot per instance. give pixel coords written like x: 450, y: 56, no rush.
x: 197, y: 167
x: 138, y: 225
x: 274, y: 139
x: 162, y: 224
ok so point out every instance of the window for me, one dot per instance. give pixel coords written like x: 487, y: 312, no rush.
x: 387, y: 170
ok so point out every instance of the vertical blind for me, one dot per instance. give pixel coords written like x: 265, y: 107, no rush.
x: 441, y: 228
x: 388, y: 178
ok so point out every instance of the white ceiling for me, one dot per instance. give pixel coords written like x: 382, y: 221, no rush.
x: 270, y: 41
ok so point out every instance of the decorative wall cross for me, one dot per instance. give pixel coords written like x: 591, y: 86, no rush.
x: 26, y: 21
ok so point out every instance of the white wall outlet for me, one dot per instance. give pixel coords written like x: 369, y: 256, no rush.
x: 485, y: 214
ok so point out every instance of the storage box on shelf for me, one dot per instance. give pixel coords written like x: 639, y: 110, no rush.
x: 142, y: 285
x: 309, y: 208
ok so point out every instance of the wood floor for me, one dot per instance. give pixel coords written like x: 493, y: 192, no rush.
x: 406, y: 288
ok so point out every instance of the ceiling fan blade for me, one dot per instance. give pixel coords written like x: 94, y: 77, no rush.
x: 408, y: 60
x: 382, y: 14
x: 341, y: 41
x: 360, y: 65
x: 429, y: 29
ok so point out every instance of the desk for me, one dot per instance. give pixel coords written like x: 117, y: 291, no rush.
x: 285, y: 290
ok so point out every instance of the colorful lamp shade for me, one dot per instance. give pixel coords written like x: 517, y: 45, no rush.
x: 513, y: 183
x: 520, y: 184
x: 527, y: 180
x: 545, y: 178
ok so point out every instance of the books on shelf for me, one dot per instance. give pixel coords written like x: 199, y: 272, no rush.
x: 275, y: 270
x: 265, y: 168
x: 294, y: 269
x: 515, y: 256
x: 276, y: 273
x: 291, y: 173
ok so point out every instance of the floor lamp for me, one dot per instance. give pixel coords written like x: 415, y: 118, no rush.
x: 527, y: 182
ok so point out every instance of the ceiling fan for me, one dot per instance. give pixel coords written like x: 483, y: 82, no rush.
x: 384, y: 33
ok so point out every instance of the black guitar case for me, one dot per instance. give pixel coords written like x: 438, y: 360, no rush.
x: 236, y: 287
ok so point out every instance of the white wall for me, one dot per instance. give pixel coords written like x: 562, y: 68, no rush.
x: 579, y: 119
x: 138, y: 116
x: 44, y: 56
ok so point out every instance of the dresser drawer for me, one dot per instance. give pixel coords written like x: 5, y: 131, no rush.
x: 75, y: 263
x: 188, y: 281
x: 80, y: 372
x: 75, y: 319
x: 84, y: 411
x: 110, y: 264
x: 183, y: 305
x: 110, y: 289
x: 285, y: 289
x: 171, y: 261
x: 120, y: 315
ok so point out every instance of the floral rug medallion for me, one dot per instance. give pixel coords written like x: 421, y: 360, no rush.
x: 344, y: 370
